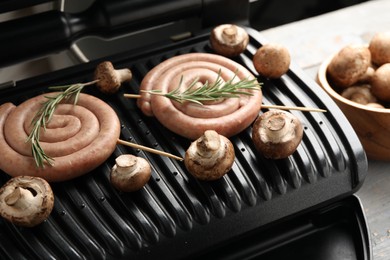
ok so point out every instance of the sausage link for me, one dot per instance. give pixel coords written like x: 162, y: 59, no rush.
x: 94, y: 130
x: 228, y: 117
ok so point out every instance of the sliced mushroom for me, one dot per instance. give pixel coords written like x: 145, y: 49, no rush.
x: 130, y: 173
x: 210, y: 156
x: 359, y: 94
x: 109, y: 78
x: 26, y: 201
x: 229, y: 40
x: 277, y: 134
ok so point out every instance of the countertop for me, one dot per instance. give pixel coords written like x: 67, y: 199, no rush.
x: 312, y: 40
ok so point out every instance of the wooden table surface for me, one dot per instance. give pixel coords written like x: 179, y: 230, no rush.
x: 312, y: 40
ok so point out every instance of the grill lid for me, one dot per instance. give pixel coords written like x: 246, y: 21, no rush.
x: 52, y: 31
x: 176, y: 215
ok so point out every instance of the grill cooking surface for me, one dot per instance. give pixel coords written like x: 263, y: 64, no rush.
x: 176, y: 215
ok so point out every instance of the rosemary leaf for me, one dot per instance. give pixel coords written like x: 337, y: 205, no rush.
x: 210, y: 92
x: 45, y: 114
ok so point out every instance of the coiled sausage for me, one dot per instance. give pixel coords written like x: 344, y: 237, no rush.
x: 227, y: 117
x: 78, y: 137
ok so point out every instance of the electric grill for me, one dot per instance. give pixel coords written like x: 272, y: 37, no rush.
x: 303, y: 206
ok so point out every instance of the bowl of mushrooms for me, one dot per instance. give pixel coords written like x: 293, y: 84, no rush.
x: 358, y: 79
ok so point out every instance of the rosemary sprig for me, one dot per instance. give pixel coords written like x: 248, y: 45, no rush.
x: 210, y: 92
x: 44, y: 115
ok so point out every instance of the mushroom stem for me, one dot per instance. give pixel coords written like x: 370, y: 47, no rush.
x: 124, y: 74
x: 21, y: 198
x: 229, y: 34
x: 275, y: 128
x: 208, y: 144
x: 126, y: 164
x: 13, y: 197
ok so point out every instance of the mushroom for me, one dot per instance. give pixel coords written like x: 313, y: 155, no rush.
x: 130, y: 173
x: 380, y: 82
x: 367, y: 76
x: 276, y: 134
x: 272, y: 60
x: 26, y: 200
x: 229, y: 40
x: 375, y: 105
x: 109, y: 78
x: 360, y: 94
x: 349, y: 65
x: 379, y: 48
x: 210, y: 156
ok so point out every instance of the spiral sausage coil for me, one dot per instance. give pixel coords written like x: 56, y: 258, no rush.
x: 227, y: 117
x: 78, y: 137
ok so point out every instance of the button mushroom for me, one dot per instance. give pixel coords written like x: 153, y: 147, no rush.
x: 26, y: 201
x: 379, y: 48
x: 210, y: 156
x: 360, y: 94
x: 349, y: 65
x: 276, y: 134
x: 380, y: 82
x: 229, y: 40
x: 130, y: 173
x: 375, y: 105
x: 272, y: 60
x: 109, y: 78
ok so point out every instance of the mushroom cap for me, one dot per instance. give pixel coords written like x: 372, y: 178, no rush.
x: 110, y: 79
x: 272, y: 60
x: 349, y: 65
x: 130, y: 173
x: 229, y: 40
x: 379, y: 48
x: 209, y: 157
x: 360, y: 94
x: 375, y: 105
x: 276, y: 134
x: 380, y: 82
x: 26, y: 200
x: 367, y: 76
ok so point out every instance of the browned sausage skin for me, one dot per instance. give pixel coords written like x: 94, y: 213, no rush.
x: 228, y: 117
x: 79, y: 138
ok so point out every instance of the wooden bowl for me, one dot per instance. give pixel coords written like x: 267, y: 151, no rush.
x: 372, y: 125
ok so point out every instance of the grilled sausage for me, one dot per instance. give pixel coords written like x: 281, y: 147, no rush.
x: 79, y: 138
x: 227, y: 117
